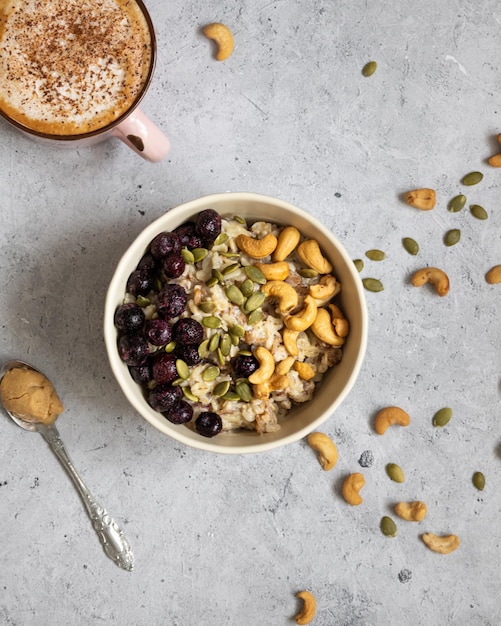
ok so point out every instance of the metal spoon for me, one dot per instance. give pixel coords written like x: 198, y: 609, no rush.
x: 112, y: 538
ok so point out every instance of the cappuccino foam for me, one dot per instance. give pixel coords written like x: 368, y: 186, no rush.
x: 71, y: 66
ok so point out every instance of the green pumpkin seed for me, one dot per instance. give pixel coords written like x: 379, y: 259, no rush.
x: 225, y: 345
x: 369, y: 68
x: 234, y: 295
x: 182, y: 369
x: 212, y: 281
x: 307, y: 272
x: 221, y: 238
x: 245, y: 353
x: 452, y: 237
x: 375, y: 255
x: 457, y: 203
x: 479, y: 480
x: 203, y: 349
x: 410, y: 245
x: 158, y: 284
x: 188, y: 256
x: 229, y: 269
x: 142, y: 301
x: 210, y: 373
x: 372, y: 284
x: 473, y: 178
x: 214, y: 342
x: 442, y: 417
x: 234, y: 339
x: 230, y: 255
x: 239, y: 219
x: 255, y: 274
x: 199, y: 254
x: 170, y: 347
x: 479, y: 212
x: 207, y: 307
x: 395, y: 472
x: 231, y: 396
x: 254, y: 302
x: 388, y: 527
x: 255, y: 317
x: 177, y: 382
x: 247, y: 287
x: 359, y: 264
x: 244, y: 391
x: 220, y: 357
x: 211, y: 321
x: 237, y: 330
x: 217, y: 274
x: 189, y: 395
x: 221, y: 388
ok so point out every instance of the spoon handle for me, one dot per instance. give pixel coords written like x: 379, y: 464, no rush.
x: 111, y: 536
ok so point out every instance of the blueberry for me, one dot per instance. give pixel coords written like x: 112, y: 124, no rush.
x: 174, y: 265
x: 164, y: 367
x: 180, y: 413
x: 208, y: 225
x: 164, y: 397
x: 141, y: 374
x: 171, y: 301
x: 244, y: 365
x: 188, y: 331
x: 208, y: 424
x: 133, y: 349
x: 129, y: 318
x: 158, y: 332
x: 188, y: 236
x: 164, y: 244
x: 140, y: 283
x: 148, y: 262
x: 189, y: 354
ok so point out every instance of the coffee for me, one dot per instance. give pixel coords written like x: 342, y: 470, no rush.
x: 69, y: 67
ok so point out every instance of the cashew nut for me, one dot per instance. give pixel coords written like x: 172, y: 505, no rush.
x: 304, y: 370
x: 284, y: 366
x: 351, y: 487
x: 444, y: 544
x: 290, y: 341
x: 423, y: 199
x: 283, y: 292
x: 325, y: 290
x: 433, y: 275
x: 305, y: 318
x: 411, y: 511
x: 257, y: 248
x: 338, y: 321
x: 388, y: 416
x: 323, y: 329
x: 493, y: 276
x: 326, y: 448
x: 266, y: 366
x: 221, y: 34
x: 310, y: 254
x: 275, y: 271
x: 309, y: 609
x: 277, y: 382
x: 288, y: 239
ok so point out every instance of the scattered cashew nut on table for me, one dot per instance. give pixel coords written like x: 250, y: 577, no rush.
x: 444, y: 544
x: 351, y: 488
x: 388, y: 416
x: 223, y: 37
x: 493, y: 276
x: 423, y: 199
x: 257, y: 248
x: 309, y: 608
x: 437, y: 277
x: 326, y: 448
x: 411, y: 511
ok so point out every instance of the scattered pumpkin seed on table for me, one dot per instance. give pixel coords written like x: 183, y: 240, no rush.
x: 442, y: 417
x: 372, y: 284
x: 388, y: 527
x: 479, y: 212
x: 359, y: 264
x: 395, y: 472
x: 452, y: 237
x: 375, y: 255
x: 473, y: 178
x: 369, y: 68
x: 479, y: 480
x: 457, y: 203
x: 410, y: 245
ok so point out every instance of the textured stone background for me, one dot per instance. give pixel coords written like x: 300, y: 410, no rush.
x: 230, y: 540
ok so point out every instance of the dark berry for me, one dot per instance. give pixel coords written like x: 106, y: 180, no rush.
x: 129, y: 317
x: 140, y: 283
x: 158, y: 332
x: 188, y: 331
x: 208, y: 424
x: 163, y: 397
x: 171, y: 301
x: 163, y: 367
x: 189, y: 354
x: 208, y: 225
x: 148, y: 262
x: 141, y: 374
x: 244, y: 365
x: 174, y: 265
x: 165, y: 244
x: 189, y: 238
x: 180, y: 413
x: 133, y: 349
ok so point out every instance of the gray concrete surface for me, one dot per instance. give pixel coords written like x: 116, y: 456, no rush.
x: 230, y: 540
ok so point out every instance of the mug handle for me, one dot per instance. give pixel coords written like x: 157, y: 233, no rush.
x: 140, y: 134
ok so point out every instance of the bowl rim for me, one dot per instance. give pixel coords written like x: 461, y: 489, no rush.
x: 137, y: 247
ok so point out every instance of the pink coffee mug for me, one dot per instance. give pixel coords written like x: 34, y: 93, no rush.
x: 133, y: 127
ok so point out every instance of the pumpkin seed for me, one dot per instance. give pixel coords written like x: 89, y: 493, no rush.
x: 221, y: 238
x: 388, y: 527
x: 221, y: 388
x: 457, y: 203
x: 177, y: 382
x: 142, y: 301
x: 212, y: 281
x: 479, y: 480
x: 188, y: 256
x: 372, y: 284
x: 479, y: 212
x: 234, y: 295
x: 254, y: 301
x: 247, y: 287
x: 410, y: 245
x: 158, y: 284
x: 375, y: 255
x: 182, y: 369
x: 203, y: 349
x: 442, y: 417
x: 473, y: 178
x: 214, y: 342
x: 359, y: 264
x: 307, y: 272
x: 225, y: 345
x: 217, y: 274
x: 234, y: 339
x: 189, y: 395
x: 230, y: 255
x: 229, y: 269
x: 239, y: 219
x: 452, y: 237
x: 395, y: 472
x: 369, y: 68
x: 211, y: 321
x: 244, y: 391
x: 220, y: 357
x: 199, y: 254
x: 210, y: 373
x: 255, y: 274
x: 170, y: 347
x: 237, y: 330
x: 255, y: 317
x: 231, y: 396
x: 245, y: 353
x: 207, y: 307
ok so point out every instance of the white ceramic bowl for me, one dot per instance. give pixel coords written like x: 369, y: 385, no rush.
x: 336, y: 383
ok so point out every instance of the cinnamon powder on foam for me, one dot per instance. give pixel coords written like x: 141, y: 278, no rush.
x: 71, y: 67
